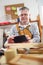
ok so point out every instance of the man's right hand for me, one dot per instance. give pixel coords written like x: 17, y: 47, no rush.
x: 10, y: 39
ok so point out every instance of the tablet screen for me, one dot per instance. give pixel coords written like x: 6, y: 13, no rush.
x: 20, y: 39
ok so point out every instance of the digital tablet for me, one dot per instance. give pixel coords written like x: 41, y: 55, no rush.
x: 20, y: 39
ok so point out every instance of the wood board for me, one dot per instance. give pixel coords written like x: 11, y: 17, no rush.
x: 25, y: 59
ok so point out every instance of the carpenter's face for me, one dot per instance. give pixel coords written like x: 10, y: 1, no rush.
x: 24, y: 16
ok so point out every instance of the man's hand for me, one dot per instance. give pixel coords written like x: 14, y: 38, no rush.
x: 10, y: 39
x: 27, y: 37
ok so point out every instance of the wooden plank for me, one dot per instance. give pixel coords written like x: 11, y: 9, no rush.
x: 24, y: 59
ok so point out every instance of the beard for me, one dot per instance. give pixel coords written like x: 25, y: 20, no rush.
x: 24, y: 22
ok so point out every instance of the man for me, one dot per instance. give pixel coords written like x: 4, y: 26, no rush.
x: 23, y: 24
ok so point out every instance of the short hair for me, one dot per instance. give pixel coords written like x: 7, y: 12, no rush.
x: 23, y: 8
